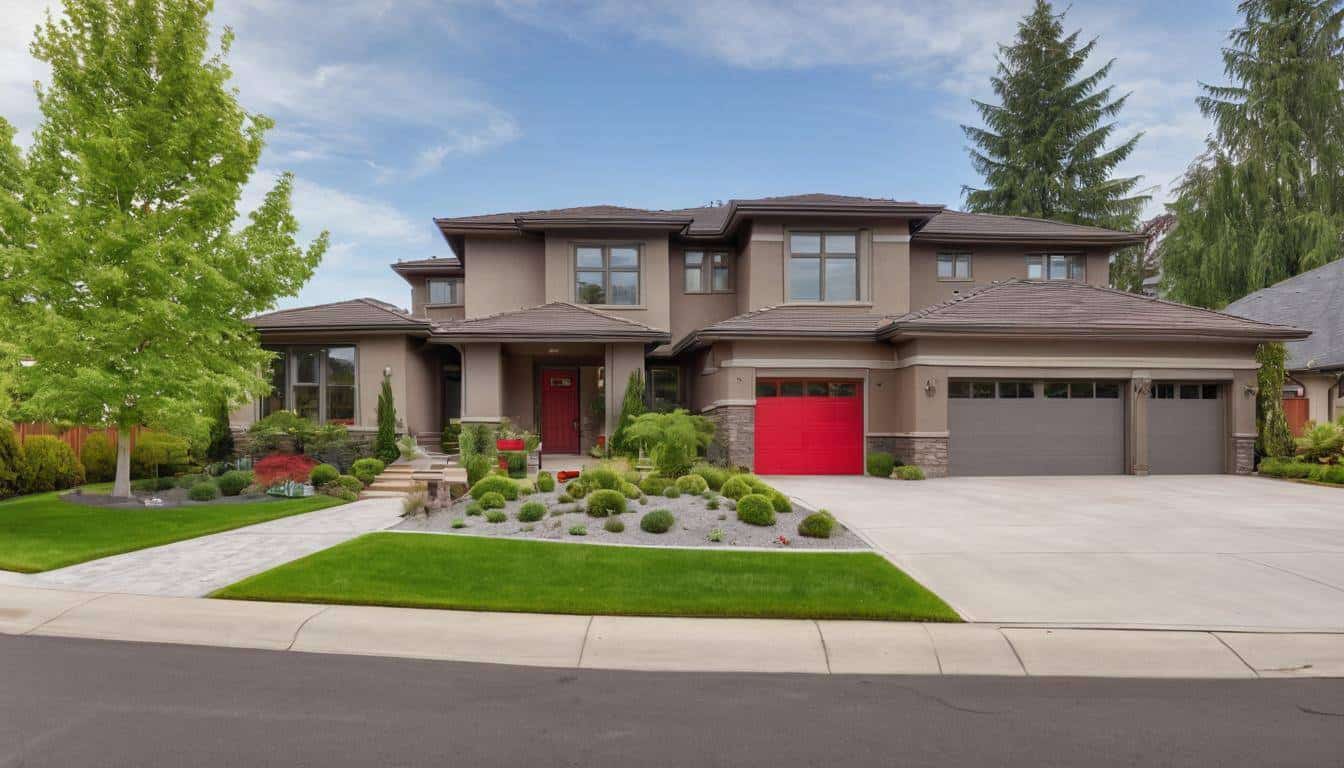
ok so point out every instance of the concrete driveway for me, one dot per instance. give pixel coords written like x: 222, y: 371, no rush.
x: 1210, y: 552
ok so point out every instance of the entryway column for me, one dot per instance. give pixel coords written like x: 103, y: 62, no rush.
x: 482, y: 382
x: 1140, y: 389
x: 622, y: 360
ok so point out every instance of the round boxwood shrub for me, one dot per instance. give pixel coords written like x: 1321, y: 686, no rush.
x: 367, y: 469
x: 99, y: 458
x: 713, y: 476
x: 565, y: 498
x: 495, y: 484
x: 525, y: 487
x: 233, y: 482
x: 203, y: 491
x: 818, y: 525
x: 495, y: 516
x: 531, y: 512
x: 671, y: 492
x: 492, y: 500
x: 613, y: 525
x: 780, y: 502
x: 477, y: 466
x: 880, y: 464
x: 545, y: 482
x: 578, y: 530
x: 657, y: 521
x: 602, y: 477
x: 910, y: 472
x: 654, y: 485
x: 755, y: 509
x: 576, y: 489
x: 150, y: 484
x: 49, y: 465
x: 474, y: 509
x: 692, y: 484
x: 736, y: 486
x: 631, y: 491
x: 323, y: 474
x: 605, y: 503
x: 350, y: 484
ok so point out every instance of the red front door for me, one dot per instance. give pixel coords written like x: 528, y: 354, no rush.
x: 559, y: 410
x: 809, y: 427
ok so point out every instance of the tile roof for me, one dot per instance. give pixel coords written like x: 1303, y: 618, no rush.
x: 1070, y: 308
x: 557, y: 321
x: 446, y: 262
x: 355, y: 314
x: 984, y: 227
x: 1313, y: 300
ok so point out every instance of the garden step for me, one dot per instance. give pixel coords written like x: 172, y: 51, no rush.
x: 371, y: 494
x: 405, y: 485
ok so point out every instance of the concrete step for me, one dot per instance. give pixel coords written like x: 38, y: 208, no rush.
x: 372, y: 494
x: 405, y: 486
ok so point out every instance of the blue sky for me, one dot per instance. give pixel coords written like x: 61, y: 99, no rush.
x: 391, y: 112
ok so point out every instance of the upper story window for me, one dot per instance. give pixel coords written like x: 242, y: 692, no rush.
x: 823, y: 266
x: 706, y: 272
x: 1057, y: 266
x: 445, y: 291
x: 954, y: 266
x: 606, y: 274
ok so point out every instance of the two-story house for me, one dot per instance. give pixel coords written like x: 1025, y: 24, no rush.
x: 810, y: 328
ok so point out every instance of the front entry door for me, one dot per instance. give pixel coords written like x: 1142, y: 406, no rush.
x: 560, y: 410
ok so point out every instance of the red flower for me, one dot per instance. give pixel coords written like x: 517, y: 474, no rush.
x: 281, y: 467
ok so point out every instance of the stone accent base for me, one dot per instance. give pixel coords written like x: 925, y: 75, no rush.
x: 734, y: 435
x: 1243, y: 455
x: 927, y: 453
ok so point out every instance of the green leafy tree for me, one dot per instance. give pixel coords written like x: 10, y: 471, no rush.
x: 1275, y: 439
x: 1043, y: 149
x: 126, y: 278
x: 1266, y: 201
x: 674, y: 439
x: 385, y: 445
x: 631, y: 407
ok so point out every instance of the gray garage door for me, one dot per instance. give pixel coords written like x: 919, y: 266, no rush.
x: 1036, y: 428
x: 1186, y: 428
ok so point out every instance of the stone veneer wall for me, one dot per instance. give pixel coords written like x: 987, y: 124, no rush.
x: 361, y: 438
x: 734, y: 435
x: 927, y: 453
x: 1243, y: 450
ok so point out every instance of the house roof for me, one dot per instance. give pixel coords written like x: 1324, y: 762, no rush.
x: 959, y: 226
x: 557, y: 321
x: 355, y: 314
x: 1055, y: 308
x: 1312, y: 300
x: 449, y: 266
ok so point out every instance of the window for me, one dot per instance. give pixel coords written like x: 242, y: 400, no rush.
x: 1057, y: 266
x: 705, y: 272
x: 767, y: 389
x: 318, y: 383
x: 606, y: 274
x: 982, y: 390
x: 959, y: 390
x: 954, y: 266
x: 1163, y: 391
x: 1108, y: 390
x: 1016, y: 390
x: 1209, y: 391
x: 807, y: 388
x: 1080, y: 390
x: 1189, y: 391
x: 445, y: 292
x: 664, y: 388
x: 823, y: 266
x: 1184, y: 391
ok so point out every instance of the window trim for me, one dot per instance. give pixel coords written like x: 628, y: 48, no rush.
x: 606, y: 270
x: 706, y: 269
x: 459, y: 291
x: 1042, y: 258
x: 821, y: 232
x: 654, y: 402
x: 289, y: 352
x: 955, y: 256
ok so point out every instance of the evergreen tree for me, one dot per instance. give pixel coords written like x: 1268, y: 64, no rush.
x: 1043, y: 149
x: 385, y: 445
x: 1266, y: 201
x: 631, y: 407
x: 220, y: 447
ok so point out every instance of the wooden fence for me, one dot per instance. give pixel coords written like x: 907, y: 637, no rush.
x: 1296, y: 413
x: 71, y: 436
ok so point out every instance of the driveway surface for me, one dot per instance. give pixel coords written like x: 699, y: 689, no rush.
x: 1207, y: 551
x: 196, y: 567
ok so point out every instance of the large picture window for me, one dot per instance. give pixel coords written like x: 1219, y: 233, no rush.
x: 606, y: 274
x: 1057, y: 266
x: 317, y: 383
x: 823, y: 266
x: 446, y: 292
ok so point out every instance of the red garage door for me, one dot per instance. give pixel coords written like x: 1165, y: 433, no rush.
x: 809, y: 427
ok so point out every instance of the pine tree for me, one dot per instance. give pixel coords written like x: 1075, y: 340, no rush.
x: 1266, y: 201
x: 385, y: 445
x: 220, y: 447
x: 1043, y: 149
x: 631, y: 407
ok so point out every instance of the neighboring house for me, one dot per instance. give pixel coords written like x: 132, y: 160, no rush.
x: 1313, y: 300
x: 1155, y: 230
x: 810, y: 329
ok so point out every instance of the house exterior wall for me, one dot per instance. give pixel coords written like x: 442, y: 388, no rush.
x: 989, y: 263
x: 691, y: 311
x: 421, y: 410
x: 482, y: 382
x: 1323, y: 395
x: 503, y: 274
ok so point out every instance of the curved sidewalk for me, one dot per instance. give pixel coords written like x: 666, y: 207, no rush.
x: 672, y: 644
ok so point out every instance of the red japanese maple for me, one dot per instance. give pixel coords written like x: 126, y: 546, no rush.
x: 281, y: 467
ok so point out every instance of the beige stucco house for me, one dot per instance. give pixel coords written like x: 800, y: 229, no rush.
x: 810, y: 328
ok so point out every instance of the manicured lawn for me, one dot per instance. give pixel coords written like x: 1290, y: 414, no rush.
x: 41, y: 532
x: 432, y: 571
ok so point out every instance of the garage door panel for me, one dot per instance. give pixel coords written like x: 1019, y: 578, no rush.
x: 1036, y: 436
x: 1186, y: 437
x: 817, y: 435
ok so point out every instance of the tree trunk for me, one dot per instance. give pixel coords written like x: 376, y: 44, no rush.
x: 121, y: 486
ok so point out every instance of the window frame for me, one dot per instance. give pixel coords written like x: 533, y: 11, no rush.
x: 712, y: 260
x: 455, y: 293
x: 954, y: 257
x: 822, y: 256
x: 606, y: 270
x: 655, y: 402
x: 290, y: 354
x: 1073, y: 259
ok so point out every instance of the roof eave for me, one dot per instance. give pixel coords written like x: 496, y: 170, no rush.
x: 917, y: 329
x: 449, y: 336
x: 1118, y: 241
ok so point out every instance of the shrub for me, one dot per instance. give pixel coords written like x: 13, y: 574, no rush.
x: 407, y: 447
x: 495, y: 484
x: 331, y: 444
x: 578, y: 530
x: 565, y: 498
x: 49, y: 465
x: 1297, y: 470
x: 271, y: 432
x: 545, y: 482
x: 909, y: 472
x: 755, y: 509
x: 11, y: 462
x: 367, y: 470
x: 474, y: 509
x: 150, y: 484
x: 448, y: 441
x: 818, y: 525
x: 203, y: 491
x: 525, y: 487
x: 880, y: 464
x: 385, y: 444
x: 713, y: 476
x: 671, y: 492
x: 495, y: 516
x: 477, y: 467
x: 737, y: 486
x: 492, y: 500
x: 282, y: 467
x: 233, y: 482
x: 1333, y: 475
x: 459, y: 522
x: 654, y: 485
x: 158, y: 453
x: 692, y: 484
x: 531, y: 512
x: 631, y: 491
x: 780, y: 502
x: 605, y: 502
x: 517, y: 463
x: 477, y: 440
x: 576, y: 489
x: 323, y: 474
x: 602, y: 476
x: 712, y: 504
x: 657, y: 521
x: 1321, y: 443
x: 99, y: 458
x: 186, y: 481
x: 613, y: 525
x: 350, y: 484
x: 674, y: 439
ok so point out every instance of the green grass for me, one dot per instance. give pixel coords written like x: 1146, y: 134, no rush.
x: 41, y: 532
x: 430, y: 571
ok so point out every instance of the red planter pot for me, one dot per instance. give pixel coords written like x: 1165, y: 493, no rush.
x: 509, y: 445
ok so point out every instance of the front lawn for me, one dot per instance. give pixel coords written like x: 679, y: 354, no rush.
x: 472, y: 573
x: 41, y: 532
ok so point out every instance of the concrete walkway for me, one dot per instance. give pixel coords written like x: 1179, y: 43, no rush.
x: 671, y: 644
x: 1212, y: 552
x: 197, y: 567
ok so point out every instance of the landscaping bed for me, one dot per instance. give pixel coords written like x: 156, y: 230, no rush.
x: 171, y: 497
x: 476, y: 573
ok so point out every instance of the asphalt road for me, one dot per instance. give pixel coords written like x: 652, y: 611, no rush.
x: 73, y: 703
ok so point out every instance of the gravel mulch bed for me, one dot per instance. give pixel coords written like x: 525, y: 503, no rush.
x: 694, y: 521
x: 172, y: 497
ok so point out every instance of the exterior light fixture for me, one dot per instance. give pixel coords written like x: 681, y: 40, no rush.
x: 387, y: 370
x: 930, y: 387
